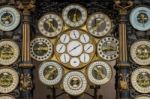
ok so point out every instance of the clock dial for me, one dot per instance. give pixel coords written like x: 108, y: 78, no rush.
x: 99, y: 24
x: 78, y: 51
x: 64, y: 38
x: 6, y: 97
x: 142, y: 97
x: 9, y: 52
x: 9, y: 18
x: 50, y: 25
x: 74, y: 15
x: 108, y: 48
x: 74, y: 83
x: 50, y: 73
x: 41, y: 48
x: 140, y: 18
x: 9, y: 80
x: 140, y: 52
x: 99, y: 73
x: 140, y: 80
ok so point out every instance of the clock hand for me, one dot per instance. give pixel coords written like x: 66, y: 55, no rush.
x: 50, y: 25
x: 75, y: 48
x: 64, y: 39
x: 50, y: 73
x: 84, y: 57
x: 84, y: 38
x: 65, y: 57
x: 88, y: 48
x: 99, y: 73
x: 75, y: 16
x: 61, y: 48
x: 75, y: 35
x: 99, y: 24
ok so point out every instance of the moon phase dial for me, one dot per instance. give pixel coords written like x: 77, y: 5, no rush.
x: 140, y: 80
x: 75, y: 49
x: 74, y: 83
x: 41, y: 48
x: 74, y: 15
x: 9, y: 52
x: 140, y: 52
x: 50, y: 73
x: 9, y: 80
x: 99, y: 24
x: 99, y: 72
x: 9, y: 18
x: 50, y: 25
x: 108, y: 48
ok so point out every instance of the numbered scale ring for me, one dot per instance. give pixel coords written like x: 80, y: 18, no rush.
x: 9, y: 18
x: 50, y: 25
x: 75, y: 49
x: 108, y: 48
x: 9, y: 80
x: 41, y: 48
x: 74, y: 15
x: 99, y: 24
x: 140, y: 18
x: 140, y: 52
x: 142, y: 97
x: 7, y: 97
x: 140, y: 80
x: 50, y: 73
x: 75, y: 83
x: 9, y: 52
x: 99, y: 72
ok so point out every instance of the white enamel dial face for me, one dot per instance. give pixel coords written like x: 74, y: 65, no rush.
x: 75, y: 48
x: 99, y: 72
x: 74, y: 15
x: 50, y: 25
x: 9, y: 52
x: 99, y: 24
x: 142, y: 97
x: 6, y: 97
x: 9, y: 80
x: 9, y: 18
x: 41, y: 48
x: 140, y: 79
x: 74, y: 83
x: 50, y: 73
x: 140, y: 18
x: 108, y: 48
x: 140, y: 52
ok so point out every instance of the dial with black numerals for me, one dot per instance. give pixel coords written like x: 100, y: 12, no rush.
x: 99, y: 24
x: 9, y: 18
x: 50, y: 25
x: 74, y: 15
x: 75, y: 48
x: 140, y: 79
x: 9, y: 79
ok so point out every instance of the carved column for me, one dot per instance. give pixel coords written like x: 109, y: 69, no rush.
x: 26, y: 6
x: 123, y: 91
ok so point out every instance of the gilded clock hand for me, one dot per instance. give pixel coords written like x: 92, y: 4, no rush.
x: 75, y: 48
x: 98, y: 24
x: 75, y: 16
x: 51, y: 25
x: 99, y: 72
x: 50, y: 73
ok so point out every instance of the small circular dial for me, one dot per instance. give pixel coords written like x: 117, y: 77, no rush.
x: 140, y: 52
x: 9, y: 18
x: 50, y: 73
x: 142, y: 97
x: 78, y: 51
x: 140, y: 18
x: 74, y: 83
x: 140, y: 80
x: 50, y: 25
x: 99, y: 72
x: 74, y: 15
x: 41, y: 49
x: 9, y: 80
x: 9, y: 52
x: 7, y: 97
x: 108, y: 48
x: 99, y: 24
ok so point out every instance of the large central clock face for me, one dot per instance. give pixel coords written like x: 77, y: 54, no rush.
x: 75, y: 48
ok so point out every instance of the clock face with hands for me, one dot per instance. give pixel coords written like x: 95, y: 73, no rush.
x: 75, y: 48
x: 50, y: 25
x: 74, y: 15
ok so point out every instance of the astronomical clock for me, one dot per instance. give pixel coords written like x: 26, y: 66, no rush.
x: 75, y: 49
